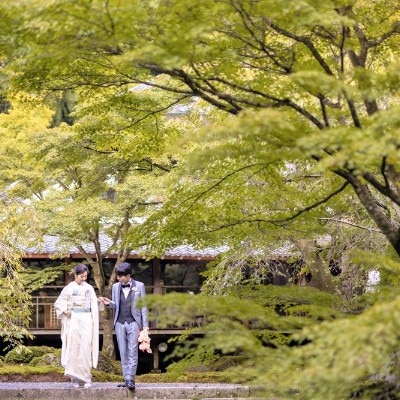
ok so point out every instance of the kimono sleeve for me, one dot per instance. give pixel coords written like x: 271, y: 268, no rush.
x: 61, y: 304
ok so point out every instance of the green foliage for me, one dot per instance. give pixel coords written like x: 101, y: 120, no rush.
x: 317, y: 344
x: 46, y: 359
x: 28, y: 370
x: 224, y: 363
x: 19, y: 354
x: 108, y: 365
x: 20, y: 229
x: 44, y: 355
x: 18, y: 223
x: 101, y: 376
x: 290, y: 133
x: 333, y: 345
x: 377, y: 389
x: 29, y: 373
x: 33, y: 279
x: 33, y: 373
x: 40, y: 357
x: 26, y: 354
x: 245, y: 323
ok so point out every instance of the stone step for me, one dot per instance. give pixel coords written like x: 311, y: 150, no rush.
x: 110, y: 391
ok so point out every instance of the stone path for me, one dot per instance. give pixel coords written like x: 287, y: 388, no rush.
x: 110, y: 391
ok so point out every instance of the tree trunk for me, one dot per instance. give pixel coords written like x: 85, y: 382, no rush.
x: 108, y: 326
x: 375, y: 211
x: 108, y: 330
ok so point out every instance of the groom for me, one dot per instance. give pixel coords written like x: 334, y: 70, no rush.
x: 128, y: 319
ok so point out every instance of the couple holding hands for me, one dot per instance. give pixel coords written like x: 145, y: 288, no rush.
x: 78, y: 308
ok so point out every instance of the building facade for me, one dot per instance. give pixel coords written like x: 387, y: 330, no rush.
x: 179, y: 270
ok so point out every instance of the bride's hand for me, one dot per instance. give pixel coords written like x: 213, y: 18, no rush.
x: 104, y: 300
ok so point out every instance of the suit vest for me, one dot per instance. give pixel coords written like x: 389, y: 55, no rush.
x: 125, y: 313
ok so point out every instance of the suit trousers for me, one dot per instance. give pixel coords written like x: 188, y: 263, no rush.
x: 127, y: 338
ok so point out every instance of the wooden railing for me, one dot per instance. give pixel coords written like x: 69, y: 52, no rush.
x: 44, y: 318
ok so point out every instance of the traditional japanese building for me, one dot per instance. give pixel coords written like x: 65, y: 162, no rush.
x: 178, y: 270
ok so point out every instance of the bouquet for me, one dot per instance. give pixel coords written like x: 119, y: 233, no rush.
x: 144, y: 340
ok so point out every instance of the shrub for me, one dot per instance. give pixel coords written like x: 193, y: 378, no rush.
x: 25, y: 354
x: 197, y: 377
x: 51, y: 359
x: 108, y: 365
x: 39, y: 351
x: 209, y: 377
x: 101, y: 376
x: 19, y: 354
x: 226, y: 362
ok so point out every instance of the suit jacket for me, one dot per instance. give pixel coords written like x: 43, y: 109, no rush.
x: 138, y: 292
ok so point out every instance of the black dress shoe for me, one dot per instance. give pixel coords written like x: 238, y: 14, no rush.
x: 130, y: 384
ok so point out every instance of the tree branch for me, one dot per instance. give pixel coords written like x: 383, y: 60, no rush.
x: 195, y: 90
x: 385, y: 36
x: 373, y: 208
x: 384, y: 189
x: 341, y: 221
x: 312, y: 206
x: 197, y: 196
x: 279, y: 222
x: 277, y: 102
x: 306, y: 41
x: 248, y: 24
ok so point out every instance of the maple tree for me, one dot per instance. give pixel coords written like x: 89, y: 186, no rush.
x: 290, y: 125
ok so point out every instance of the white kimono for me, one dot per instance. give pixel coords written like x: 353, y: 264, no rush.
x: 79, y: 331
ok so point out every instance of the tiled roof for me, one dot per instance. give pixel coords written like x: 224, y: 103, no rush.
x: 188, y: 250
x: 51, y: 246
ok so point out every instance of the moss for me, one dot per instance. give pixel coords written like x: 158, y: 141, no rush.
x: 10, y: 369
x: 195, y: 377
x: 377, y: 390
x: 226, y: 362
x: 108, y: 365
x: 29, y: 373
x: 42, y: 373
x: 25, y: 354
x: 39, y: 351
x: 35, y: 361
x: 47, y: 359
x: 209, y: 377
x: 101, y: 376
x: 157, y: 378
x: 42, y: 363
x: 37, y: 356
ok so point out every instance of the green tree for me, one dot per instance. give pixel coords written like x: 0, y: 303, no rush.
x: 310, y: 84
x: 15, y: 300
x: 94, y: 178
x: 80, y: 192
x: 20, y: 227
x: 299, y: 107
x: 19, y: 230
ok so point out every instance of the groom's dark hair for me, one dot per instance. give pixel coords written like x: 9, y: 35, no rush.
x: 123, y: 269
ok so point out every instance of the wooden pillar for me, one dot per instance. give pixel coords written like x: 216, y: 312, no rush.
x: 156, y: 360
x: 157, y: 281
x: 157, y: 289
x: 67, y: 274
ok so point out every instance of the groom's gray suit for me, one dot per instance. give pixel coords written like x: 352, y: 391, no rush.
x: 128, y: 322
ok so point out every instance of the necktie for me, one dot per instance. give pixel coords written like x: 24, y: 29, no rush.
x: 125, y: 286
